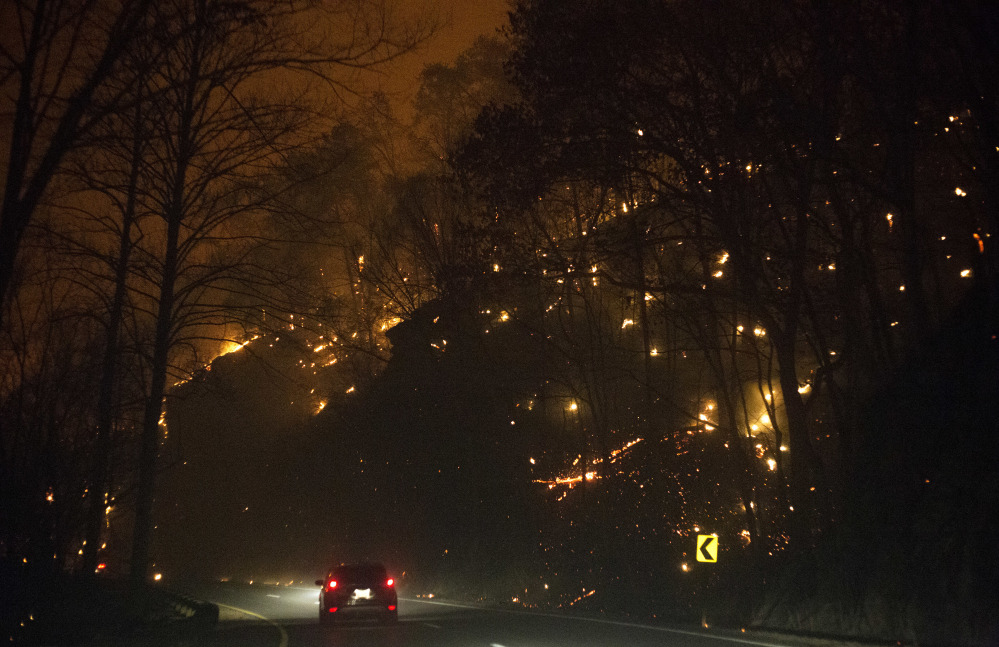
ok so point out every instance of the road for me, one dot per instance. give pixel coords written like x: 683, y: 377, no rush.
x: 287, y: 616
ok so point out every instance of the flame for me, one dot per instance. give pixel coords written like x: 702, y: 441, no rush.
x: 586, y: 594
x: 572, y: 481
x: 230, y: 346
x: 391, y: 321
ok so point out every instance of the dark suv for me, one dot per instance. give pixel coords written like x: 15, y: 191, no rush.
x: 353, y: 591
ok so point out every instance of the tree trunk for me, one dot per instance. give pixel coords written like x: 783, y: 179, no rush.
x: 149, y: 441
x: 174, y: 214
x: 105, y: 399
x: 806, y: 466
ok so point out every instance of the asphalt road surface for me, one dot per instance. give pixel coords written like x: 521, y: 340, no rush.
x: 287, y: 616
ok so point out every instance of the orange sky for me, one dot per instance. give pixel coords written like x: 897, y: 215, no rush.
x: 469, y: 19
x: 464, y: 21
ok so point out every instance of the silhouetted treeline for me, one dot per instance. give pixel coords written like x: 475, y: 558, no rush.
x: 751, y: 236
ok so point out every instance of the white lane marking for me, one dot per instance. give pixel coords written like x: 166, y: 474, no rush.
x: 271, y: 595
x: 432, y: 625
x: 450, y: 604
x: 617, y: 623
x: 284, y: 634
x: 495, y: 645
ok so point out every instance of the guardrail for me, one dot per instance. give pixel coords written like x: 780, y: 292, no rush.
x: 189, y: 609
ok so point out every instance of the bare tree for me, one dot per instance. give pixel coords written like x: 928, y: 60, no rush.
x: 56, y: 57
x: 214, y: 136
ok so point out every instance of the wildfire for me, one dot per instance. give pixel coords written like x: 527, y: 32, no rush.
x: 230, y: 346
x: 585, y: 594
x: 572, y: 481
x: 392, y: 321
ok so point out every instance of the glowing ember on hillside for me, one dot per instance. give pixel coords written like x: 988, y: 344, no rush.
x: 574, y: 480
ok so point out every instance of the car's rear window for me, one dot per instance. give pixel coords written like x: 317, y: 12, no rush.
x: 359, y: 572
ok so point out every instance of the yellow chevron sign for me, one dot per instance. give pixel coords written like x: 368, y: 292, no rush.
x: 707, y: 548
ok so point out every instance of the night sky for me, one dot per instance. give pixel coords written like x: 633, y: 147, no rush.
x: 461, y: 22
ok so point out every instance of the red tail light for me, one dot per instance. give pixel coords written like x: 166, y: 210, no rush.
x: 391, y: 607
x: 333, y: 609
x: 331, y: 585
x: 390, y: 582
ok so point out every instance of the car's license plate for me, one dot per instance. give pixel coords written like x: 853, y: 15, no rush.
x: 362, y: 593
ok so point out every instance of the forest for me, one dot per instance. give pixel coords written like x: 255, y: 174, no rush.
x: 623, y: 274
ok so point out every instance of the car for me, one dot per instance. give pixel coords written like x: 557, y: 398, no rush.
x: 356, y: 592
